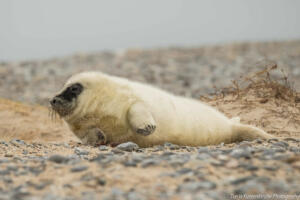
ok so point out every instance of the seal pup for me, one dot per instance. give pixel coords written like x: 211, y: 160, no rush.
x: 104, y: 109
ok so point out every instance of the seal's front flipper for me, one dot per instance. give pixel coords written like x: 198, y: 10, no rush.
x: 141, y: 119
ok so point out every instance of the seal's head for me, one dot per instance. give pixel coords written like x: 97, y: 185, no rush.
x: 65, y: 102
x: 79, y: 93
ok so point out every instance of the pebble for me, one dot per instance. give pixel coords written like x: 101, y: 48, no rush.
x: 271, y: 167
x: 58, y: 159
x: 103, y: 148
x: 117, y: 151
x: 134, y: 196
x: 289, y: 139
x: 203, y: 150
x: 101, y: 181
x: 196, y: 186
x: 79, y: 168
x: 128, y: 146
x: 272, y: 140
x: 149, y: 162
x: 241, y: 180
x: 281, y: 144
x: 183, y: 171
x: 17, y: 142
x: 252, y: 187
x: 248, y: 167
x: 81, y: 152
x: 240, y: 153
x: 130, y: 163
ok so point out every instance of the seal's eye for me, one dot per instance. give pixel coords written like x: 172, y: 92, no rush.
x: 76, y: 88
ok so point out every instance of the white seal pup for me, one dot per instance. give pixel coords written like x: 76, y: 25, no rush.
x: 102, y: 109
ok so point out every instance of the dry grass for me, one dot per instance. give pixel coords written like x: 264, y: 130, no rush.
x: 262, y: 99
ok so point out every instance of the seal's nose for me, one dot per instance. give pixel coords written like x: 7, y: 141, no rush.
x: 55, y: 101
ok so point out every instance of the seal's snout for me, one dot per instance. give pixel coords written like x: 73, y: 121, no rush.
x: 56, y: 101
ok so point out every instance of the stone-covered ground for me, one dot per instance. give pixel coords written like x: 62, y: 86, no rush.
x: 41, y: 159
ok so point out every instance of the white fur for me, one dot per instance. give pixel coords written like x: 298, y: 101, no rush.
x: 107, y: 103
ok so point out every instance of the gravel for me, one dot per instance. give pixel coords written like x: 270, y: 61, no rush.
x: 33, y: 170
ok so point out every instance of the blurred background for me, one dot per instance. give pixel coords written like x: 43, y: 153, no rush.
x: 186, y: 47
x: 36, y: 29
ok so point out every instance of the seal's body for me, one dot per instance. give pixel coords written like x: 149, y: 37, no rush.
x: 109, y: 109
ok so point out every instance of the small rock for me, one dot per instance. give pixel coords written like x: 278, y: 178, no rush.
x: 241, y: 180
x: 130, y: 163
x: 149, y: 162
x: 8, y: 155
x: 271, y: 167
x: 81, y: 152
x: 134, y: 196
x: 17, y: 142
x: 252, y: 187
x: 87, y: 177
x: 290, y: 139
x: 240, y: 153
x: 232, y: 164
x: 196, y: 186
x: 128, y: 146
x: 79, y: 168
x: 4, y: 172
x: 203, y: 156
x: 117, y: 151
x: 101, y: 181
x: 203, y: 150
x: 58, y: 159
x: 281, y: 144
x: 249, y: 167
x: 294, y: 149
x: 103, y: 148
x: 272, y: 140
x: 183, y: 171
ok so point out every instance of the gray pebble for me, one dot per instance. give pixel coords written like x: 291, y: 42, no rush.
x: 241, y: 180
x: 17, y: 142
x: 196, y: 186
x: 81, y: 152
x: 249, y: 167
x: 4, y: 172
x: 130, y: 163
x: 290, y: 139
x: 271, y: 167
x: 87, y: 177
x: 103, y: 148
x: 183, y: 171
x: 149, y: 162
x: 272, y: 140
x: 128, y: 146
x: 240, y: 153
x: 203, y: 156
x: 278, y: 186
x: 134, y: 196
x: 101, y: 181
x: 294, y: 149
x: 203, y: 150
x: 251, y: 186
x: 58, y: 159
x: 117, y: 151
x: 79, y: 168
x: 281, y: 144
